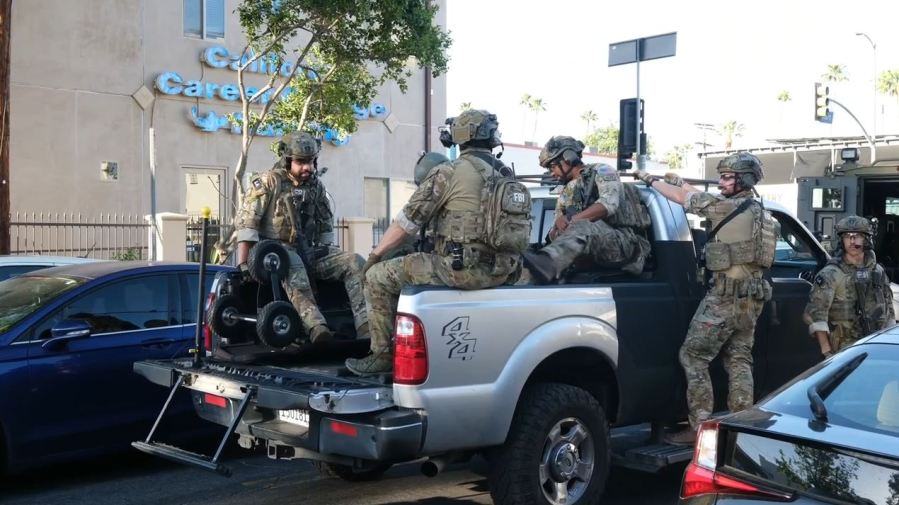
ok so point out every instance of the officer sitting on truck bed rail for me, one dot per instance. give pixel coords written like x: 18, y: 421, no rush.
x: 740, y: 248
x: 456, y: 194
x: 597, y: 216
x: 851, y: 296
x: 289, y: 203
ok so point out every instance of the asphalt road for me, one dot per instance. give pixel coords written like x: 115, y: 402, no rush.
x: 137, y: 479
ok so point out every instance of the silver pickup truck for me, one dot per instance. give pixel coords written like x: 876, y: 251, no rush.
x: 552, y: 384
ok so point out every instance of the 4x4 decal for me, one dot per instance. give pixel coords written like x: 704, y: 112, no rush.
x: 461, y: 343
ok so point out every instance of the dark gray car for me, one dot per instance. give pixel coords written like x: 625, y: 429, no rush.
x: 829, y: 436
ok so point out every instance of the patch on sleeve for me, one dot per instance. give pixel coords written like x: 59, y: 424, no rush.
x: 257, y: 182
x: 820, y: 280
x: 606, y: 172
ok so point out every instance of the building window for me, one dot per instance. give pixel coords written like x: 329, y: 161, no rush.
x: 204, y: 19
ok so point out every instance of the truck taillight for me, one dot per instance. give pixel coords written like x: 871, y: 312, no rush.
x: 410, y: 359
x: 702, y: 477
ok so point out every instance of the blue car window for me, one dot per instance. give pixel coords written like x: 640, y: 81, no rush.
x: 13, y: 270
x: 132, y: 304
x: 189, y: 305
x: 21, y: 296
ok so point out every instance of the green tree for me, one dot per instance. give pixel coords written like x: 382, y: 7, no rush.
x: 835, y: 73
x: 536, y: 106
x: 729, y: 131
x: 603, y: 140
x: 464, y: 106
x: 677, y: 156
x: 784, y: 96
x: 525, y: 102
x: 820, y: 471
x: 589, y: 117
x: 888, y: 83
x: 335, y: 54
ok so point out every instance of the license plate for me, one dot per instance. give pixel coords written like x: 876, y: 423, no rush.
x: 298, y: 417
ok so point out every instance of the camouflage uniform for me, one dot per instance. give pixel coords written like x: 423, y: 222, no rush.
x: 618, y: 240
x: 833, y: 303
x: 455, y: 187
x: 268, y: 211
x: 724, y: 322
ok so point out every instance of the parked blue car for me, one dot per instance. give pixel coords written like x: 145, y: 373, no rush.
x: 68, y: 338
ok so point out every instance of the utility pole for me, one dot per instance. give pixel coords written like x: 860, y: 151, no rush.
x: 5, y: 36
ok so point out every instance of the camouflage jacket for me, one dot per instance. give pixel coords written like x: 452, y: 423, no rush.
x: 834, y: 306
x: 600, y: 183
x: 276, y: 205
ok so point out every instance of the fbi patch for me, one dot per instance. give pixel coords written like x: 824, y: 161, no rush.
x: 257, y: 183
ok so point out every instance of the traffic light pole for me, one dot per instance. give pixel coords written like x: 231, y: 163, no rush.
x: 865, y: 132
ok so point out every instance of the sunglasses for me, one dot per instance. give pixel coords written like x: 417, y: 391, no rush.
x: 727, y: 177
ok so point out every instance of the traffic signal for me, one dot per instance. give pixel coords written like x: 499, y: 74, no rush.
x: 624, y: 162
x: 822, y: 103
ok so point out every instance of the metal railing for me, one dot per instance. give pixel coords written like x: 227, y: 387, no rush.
x: 106, y: 236
x: 378, y: 229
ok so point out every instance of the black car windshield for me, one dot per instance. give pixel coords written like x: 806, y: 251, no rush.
x: 20, y: 296
x: 868, y: 397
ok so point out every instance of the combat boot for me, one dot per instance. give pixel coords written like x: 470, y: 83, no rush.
x: 543, y: 269
x: 320, y: 333
x: 373, y: 364
x: 686, y: 436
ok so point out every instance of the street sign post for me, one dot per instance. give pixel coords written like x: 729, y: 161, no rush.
x: 635, y: 51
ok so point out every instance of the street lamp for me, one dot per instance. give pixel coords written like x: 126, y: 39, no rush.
x: 874, y: 82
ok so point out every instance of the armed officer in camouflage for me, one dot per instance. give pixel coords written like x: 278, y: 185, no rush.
x: 740, y: 248
x: 289, y: 203
x: 468, y: 253
x: 597, y: 216
x: 423, y: 241
x: 851, y: 295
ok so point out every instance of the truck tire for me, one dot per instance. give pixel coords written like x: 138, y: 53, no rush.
x: 278, y: 324
x: 222, y: 324
x: 556, y: 452
x: 350, y: 474
x: 265, y: 257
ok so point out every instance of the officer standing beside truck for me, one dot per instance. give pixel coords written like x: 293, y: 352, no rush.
x: 289, y: 203
x: 740, y: 248
x: 851, y: 295
x: 597, y: 216
x: 453, y: 194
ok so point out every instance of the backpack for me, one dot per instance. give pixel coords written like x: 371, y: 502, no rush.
x: 507, y: 203
x: 765, y: 230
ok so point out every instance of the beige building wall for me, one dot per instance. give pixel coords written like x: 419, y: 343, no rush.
x: 72, y: 110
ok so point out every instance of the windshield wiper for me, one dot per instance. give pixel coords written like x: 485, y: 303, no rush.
x: 822, y: 389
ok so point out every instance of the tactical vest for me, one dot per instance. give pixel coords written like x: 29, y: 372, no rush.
x: 748, y: 239
x: 631, y: 211
x: 484, y: 213
x: 847, y: 307
x: 295, y: 207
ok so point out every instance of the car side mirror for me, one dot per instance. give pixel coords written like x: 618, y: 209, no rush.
x: 65, y: 331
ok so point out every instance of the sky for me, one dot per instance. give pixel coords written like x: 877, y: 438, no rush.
x: 732, y: 61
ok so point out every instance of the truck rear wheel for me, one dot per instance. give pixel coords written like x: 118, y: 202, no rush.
x: 348, y: 473
x: 557, y: 450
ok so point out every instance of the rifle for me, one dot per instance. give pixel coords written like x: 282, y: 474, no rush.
x: 303, y: 247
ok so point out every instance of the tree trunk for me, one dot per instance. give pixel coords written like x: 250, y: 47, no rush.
x: 5, y: 36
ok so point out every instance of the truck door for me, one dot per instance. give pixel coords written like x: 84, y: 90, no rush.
x: 783, y: 343
x: 825, y: 200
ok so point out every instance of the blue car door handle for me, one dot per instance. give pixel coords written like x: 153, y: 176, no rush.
x: 157, y: 342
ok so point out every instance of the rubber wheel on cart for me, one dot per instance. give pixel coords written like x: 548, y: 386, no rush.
x: 266, y: 257
x: 556, y: 452
x: 348, y: 473
x: 278, y: 324
x: 221, y: 318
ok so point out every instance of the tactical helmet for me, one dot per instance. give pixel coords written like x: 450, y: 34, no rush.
x: 425, y: 163
x: 561, y: 146
x: 298, y: 145
x: 477, y: 127
x: 854, y: 224
x: 747, y: 167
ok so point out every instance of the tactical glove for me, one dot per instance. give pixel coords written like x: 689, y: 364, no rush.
x: 244, y: 272
x: 674, y: 179
x: 370, y: 262
x: 644, y: 176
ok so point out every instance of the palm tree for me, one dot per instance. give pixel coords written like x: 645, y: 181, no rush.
x: 677, y: 156
x: 888, y: 83
x: 784, y: 96
x: 526, y: 102
x: 464, y: 106
x: 589, y: 117
x: 536, y: 107
x: 730, y: 130
x: 835, y: 73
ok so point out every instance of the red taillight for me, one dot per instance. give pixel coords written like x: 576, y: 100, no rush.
x: 217, y: 401
x: 207, y: 328
x: 702, y: 477
x: 344, y: 429
x: 410, y: 359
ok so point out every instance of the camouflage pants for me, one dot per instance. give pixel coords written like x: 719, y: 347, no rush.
x: 336, y: 266
x: 384, y: 281
x: 605, y: 245
x: 725, y: 325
